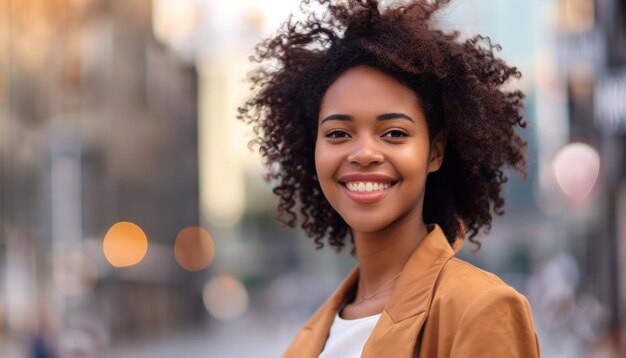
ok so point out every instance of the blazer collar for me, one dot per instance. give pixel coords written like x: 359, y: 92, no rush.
x: 410, y: 298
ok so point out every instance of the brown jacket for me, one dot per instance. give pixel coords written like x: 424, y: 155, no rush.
x: 440, y: 307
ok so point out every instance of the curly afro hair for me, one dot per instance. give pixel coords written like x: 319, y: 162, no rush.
x: 459, y: 84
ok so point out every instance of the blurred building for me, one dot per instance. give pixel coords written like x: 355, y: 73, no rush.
x: 105, y: 119
x: 98, y: 125
x: 592, y: 62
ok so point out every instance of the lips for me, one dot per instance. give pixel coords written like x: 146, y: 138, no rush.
x: 360, y: 186
x: 367, y: 188
x: 367, y: 177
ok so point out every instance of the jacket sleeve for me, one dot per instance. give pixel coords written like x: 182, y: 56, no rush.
x: 498, y: 323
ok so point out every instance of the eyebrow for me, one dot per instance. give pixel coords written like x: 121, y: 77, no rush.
x: 381, y: 117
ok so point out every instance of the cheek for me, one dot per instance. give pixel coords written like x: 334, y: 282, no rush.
x: 322, y: 170
x: 412, y: 162
x: 317, y: 161
x: 323, y: 160
x: 327, y: 163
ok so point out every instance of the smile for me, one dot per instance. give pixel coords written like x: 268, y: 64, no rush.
x: 367, y: 192
x: 366, y: 187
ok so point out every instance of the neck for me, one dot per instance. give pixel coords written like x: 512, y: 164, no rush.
x: 383, y: 254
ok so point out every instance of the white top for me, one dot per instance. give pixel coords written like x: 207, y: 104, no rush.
x: 347, y: 336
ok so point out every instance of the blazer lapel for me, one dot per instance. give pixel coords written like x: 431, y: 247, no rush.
x: 397, y: 330
x: 395, y: 334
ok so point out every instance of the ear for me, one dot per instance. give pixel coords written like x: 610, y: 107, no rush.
x: 437, y: 151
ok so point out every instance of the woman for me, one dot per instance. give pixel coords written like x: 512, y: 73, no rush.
x: 388, y: 133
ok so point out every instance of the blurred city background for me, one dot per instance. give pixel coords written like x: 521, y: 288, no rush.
x: 134, y: 221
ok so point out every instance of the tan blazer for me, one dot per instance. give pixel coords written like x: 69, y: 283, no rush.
x: 440, y: 307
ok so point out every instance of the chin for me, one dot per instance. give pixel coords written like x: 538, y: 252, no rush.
x: 365, y: 225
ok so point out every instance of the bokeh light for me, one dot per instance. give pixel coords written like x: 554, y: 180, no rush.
x: 576, y: 167
x: 175, y: 21
x: 74, y: 274
x: 194, y: 248
x: 125, y: 244
x: 225, y: 297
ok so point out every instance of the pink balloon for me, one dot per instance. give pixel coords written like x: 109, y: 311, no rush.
x: 576, y: 167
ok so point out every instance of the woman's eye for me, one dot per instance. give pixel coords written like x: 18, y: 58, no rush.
x: 395, y: 133
x: 334, y: 134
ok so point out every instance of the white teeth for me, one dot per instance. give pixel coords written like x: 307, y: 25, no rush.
x: 365, y: 187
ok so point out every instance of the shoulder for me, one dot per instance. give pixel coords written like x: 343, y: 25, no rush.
x: 464, y: 282
x: 464, y: 271
x: 463, y: 292
x: 476, y: 307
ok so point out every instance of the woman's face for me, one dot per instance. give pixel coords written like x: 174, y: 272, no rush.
x: 372, y: 152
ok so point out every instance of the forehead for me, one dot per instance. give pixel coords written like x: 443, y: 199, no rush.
x: 367, y: 90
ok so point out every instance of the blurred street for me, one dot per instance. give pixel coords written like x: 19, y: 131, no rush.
x: 134, y: 220
x: 243, y: 338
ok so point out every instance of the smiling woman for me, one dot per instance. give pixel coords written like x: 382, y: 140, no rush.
x: 361, y: 145
x: 394, y: 135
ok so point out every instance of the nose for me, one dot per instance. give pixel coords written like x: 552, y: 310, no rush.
x: 365, y: 153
